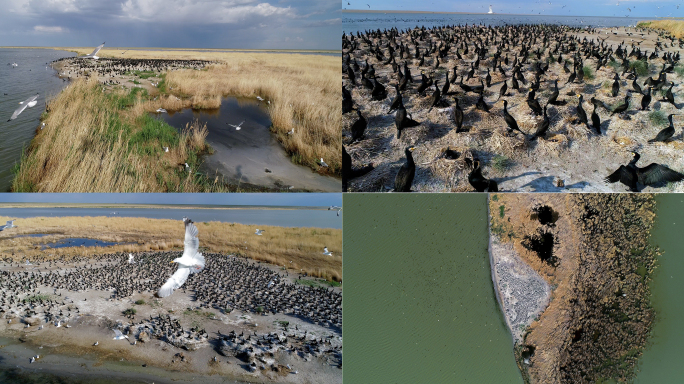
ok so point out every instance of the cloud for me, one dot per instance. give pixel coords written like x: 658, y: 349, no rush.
x: 46, y: 29
x: 324, y: 23
x: 210, y: 12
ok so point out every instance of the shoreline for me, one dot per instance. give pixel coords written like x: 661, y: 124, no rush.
x: 76, y: 49
x: 490, y: 14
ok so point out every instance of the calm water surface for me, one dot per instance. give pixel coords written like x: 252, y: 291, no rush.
x: 275, y: 217
x: 32, y: 75
x: 244, y: 155
x: 419, y: 301
x: 662, y: 360
x: 353, y: 22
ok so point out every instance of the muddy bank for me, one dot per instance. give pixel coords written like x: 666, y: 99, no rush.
x: 597, y: 323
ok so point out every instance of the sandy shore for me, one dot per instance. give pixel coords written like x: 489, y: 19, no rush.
x: 87, y: 316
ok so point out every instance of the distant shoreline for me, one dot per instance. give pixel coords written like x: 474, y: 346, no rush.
x: 153, y: 206
x: 495, y: 13
x: 184, y: 49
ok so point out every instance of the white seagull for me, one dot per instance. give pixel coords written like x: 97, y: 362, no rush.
x: 161, y: 110
x: 166, y: 149
x: 10, y: 224
x: 30, y: 102
x: 191, y: 261
x: 119, y: 335
x: 291, y: 132
x: 92, y: 55
x: 326, y: 252
x: 259, y: 232
x: 259, y: 98
x: 323, y: 164
x: 130, y: 258
x: 237, y: 127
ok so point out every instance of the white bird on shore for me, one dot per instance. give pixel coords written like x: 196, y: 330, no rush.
x: 161, y: 110
x: 28, y: 103
x: 10, y: 224
x: 237, y: 127
x: 166, y: 149
x: 130, y: 258
x: 190, y: 262
x: 119, y: 335
x: 326, y: 252
x: 323, y: 164
x: 94, y: 53
x: 58, y: 323
x: 96, y: 343
x: 259, y: 98
x: 258, y: 232
x: 33, y: 359
x: 291, y: 132
x: 187, y: 167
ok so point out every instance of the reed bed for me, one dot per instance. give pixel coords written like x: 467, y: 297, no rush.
x: 303, y: 91
x: 92, y: 143
x: 299, y: 249
x: 675, y: 27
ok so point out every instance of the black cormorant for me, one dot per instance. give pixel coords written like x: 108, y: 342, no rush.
x: 457, y: 115
x: 404, y: 178
x: 358, y: 127
x: 654, y: 173
x: 543, y: 127
x: 646, y: 100
x: 479, y: 182
x: 401, y: 120
x: 666, y: 133
x: 510, y: 121
x: 596, y: 121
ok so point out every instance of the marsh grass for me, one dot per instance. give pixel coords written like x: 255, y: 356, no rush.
x: 97, y: 142
x: 588, y: 73
x: 292, y: 248
x: 675, y: 27
x: 657, y: 118
x: 501, y: 163
x: 641, y: 67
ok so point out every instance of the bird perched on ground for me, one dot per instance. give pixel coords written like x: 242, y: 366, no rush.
x: 622, y: 107
x: 596, y: 121
x: 510, y: 121
x: 130, y: 258
x: 10, y: 224
x: 646, y: 100
x: 258, y: 232
x: 166, y: 149
x: 479, y: 182
x: 581, y: 114
x: 291, y: 132
x: 28, y: 103
x: 404, y: 178
x: 237, y: 127
x: 358, y: 128
x: 401, y: 120
x: 543, y: 127
x: 323, y: 163
x: 616, y: 85
x: 669, y: 96
x: 666, y: 133
x: 457, y: 115
x: 654, y: 173
x: 533, y: 103
x: 190, y: 262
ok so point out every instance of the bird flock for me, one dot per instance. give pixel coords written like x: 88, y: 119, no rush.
x: 466, y: 72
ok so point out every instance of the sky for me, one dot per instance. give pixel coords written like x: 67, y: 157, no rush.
x: 237, y: 24
x: 632, y: 8
x: 264, y: 199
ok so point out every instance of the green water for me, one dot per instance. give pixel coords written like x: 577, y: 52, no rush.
x: 419, y: 305
x: 662, y: 361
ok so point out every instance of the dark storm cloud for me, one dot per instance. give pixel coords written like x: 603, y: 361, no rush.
x: 171, y: 23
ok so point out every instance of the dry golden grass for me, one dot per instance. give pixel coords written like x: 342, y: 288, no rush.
x: 675, y: 27
x: 304, y: 91
x: 294, y: 248
x: 88, y: 145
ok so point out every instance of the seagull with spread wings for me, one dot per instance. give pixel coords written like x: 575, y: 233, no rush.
x: 237, y: 127
x: 191, y: 261
x: 94, y: 53
x: 28, y: 103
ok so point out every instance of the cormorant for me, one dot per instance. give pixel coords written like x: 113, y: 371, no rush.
x: 669, y: 96
x: 481, y: 105
x: 404, y: 178
x: 502, y: 91
x: 553, y: 100
x: 358, y: 127
x: 543, y: 127
x: 533, y: 103
x: 436, y: 96
x: 401, y: 120
x: 623, y: 107
x: 646, y: 100
x: 479, y: 182
x: 596, y: 121
x: 510, y: 121
x: 654, y: 173
x: 347, y: 103
x: 666, y: 133
x: 457, y: 115
x: 581, y: 113
x: 616, y: 85
x: 396, y: 101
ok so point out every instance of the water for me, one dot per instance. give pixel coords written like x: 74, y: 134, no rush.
x: 359, y: 22
x: 20, y: 83
x: 662, y: 360
x: 78, y: 242
x: 419, y: 303
x: 243, y: 155
x: 318, y: 218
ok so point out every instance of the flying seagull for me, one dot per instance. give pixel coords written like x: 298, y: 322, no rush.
x: 259, y: 232
x: 30, y: 102
x: 191, y: 261
x: 326, y: 252
x: 92, y: 55
x: 237, y: 127
x: 10, y: 224
x: 119, y: 335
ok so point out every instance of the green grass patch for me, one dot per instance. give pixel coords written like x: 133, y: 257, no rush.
x: 657, y: 118
x: 140, y: 302
x: 679, y: 70
x: 502, y: 211
x: 615, y: 65
x: 197, y: 312
x: 36, y: 298
x: 588, y: 73
x: 153, y: 135
x: 130, y: 312
x: 501, y: 163
x: 143, y: 74
x: 641, y: 67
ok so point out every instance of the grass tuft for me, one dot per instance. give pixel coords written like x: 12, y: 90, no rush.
x: 501, y: 163
x: 588, y: 73
x: 657, y: 118
x: 641, y: 67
